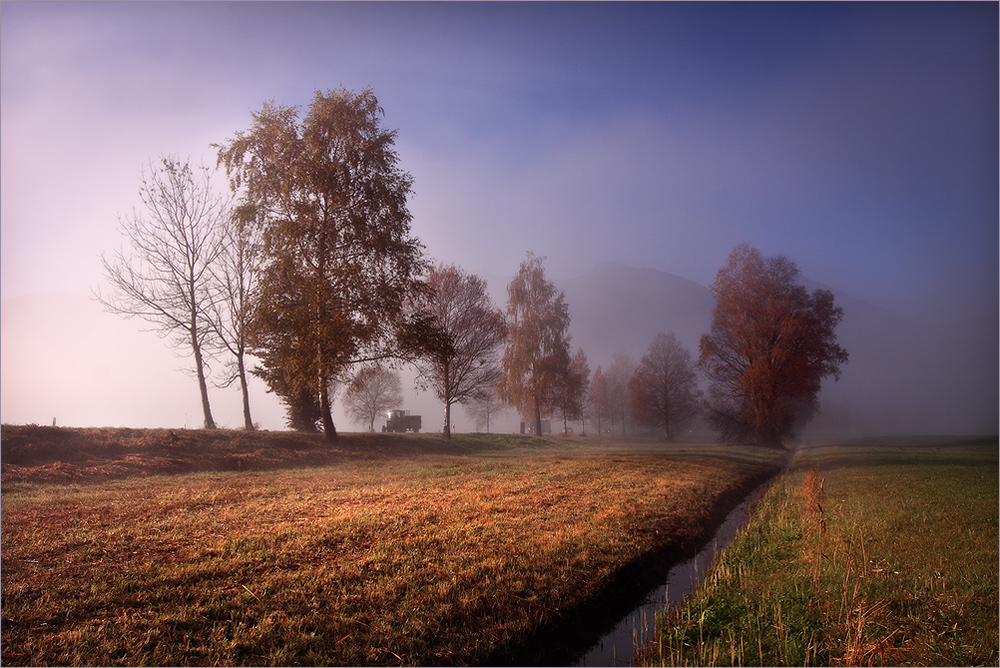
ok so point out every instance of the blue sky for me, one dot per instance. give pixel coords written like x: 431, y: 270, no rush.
x: 858, y: 139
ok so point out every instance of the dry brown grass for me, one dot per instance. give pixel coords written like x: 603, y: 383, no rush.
x: 410, y: 556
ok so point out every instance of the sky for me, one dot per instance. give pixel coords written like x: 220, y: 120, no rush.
x: 858, y: 139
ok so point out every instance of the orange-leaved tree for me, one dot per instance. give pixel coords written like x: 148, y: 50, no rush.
x: 664, y: 387
x: 769, y: 348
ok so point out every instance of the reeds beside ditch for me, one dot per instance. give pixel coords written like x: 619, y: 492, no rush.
x: 880, y: 553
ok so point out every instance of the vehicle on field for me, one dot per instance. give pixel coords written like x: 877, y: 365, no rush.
x: 400, y: 421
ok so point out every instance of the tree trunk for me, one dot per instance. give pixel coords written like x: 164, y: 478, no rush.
x: 202, y: 384
x: 538, y: 418
x: 241, y: 368
x: 327, y: 410
x: 447, y: 399
x: 667, y: 431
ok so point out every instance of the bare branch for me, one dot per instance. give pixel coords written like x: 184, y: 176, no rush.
x: 173, y: 239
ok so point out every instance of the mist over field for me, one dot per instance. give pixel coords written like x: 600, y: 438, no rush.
x: 64, y: 358
x: 633, y: 145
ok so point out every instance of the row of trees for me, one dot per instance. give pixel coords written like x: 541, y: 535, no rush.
x: 770, y: 345
x: 309, y: 266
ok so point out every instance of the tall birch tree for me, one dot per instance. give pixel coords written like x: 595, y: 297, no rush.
x: 331, y: 200
x: 537, y: 352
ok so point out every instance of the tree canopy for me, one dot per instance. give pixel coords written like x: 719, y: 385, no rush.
x: 771, y: 343
x: 339, y: 260
x: 664, y: 387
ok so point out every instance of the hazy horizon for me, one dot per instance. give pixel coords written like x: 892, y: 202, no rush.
x: 877, y: 395
x: 858, y: 139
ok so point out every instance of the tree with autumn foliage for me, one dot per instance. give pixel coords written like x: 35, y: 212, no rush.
x: 537, y: 352
x: 769, y: 348
x: 339, y: 261
x: 462, y: 360
x: 663, y: 389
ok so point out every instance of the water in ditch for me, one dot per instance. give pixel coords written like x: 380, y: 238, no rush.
x: 635, y: 630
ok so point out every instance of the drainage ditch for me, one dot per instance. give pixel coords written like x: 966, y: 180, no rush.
x: 638, y: 627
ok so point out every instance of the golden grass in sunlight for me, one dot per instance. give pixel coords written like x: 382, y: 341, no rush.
x: 404, y: 559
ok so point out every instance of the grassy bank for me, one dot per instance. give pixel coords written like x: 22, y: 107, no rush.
x: 878, y: 553
x: 408, y: 551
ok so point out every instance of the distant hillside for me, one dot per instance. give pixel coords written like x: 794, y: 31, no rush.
x: 899, y: 379
x: 615, y: 308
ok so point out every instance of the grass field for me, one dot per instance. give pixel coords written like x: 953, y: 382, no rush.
x: 869, y: 553
x: 383, y: 550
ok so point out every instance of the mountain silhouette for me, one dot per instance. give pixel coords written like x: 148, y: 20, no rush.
x: 619, y: 309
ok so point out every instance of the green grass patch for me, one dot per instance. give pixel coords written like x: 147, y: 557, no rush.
x: 869, y: 553
x: 410, y: 551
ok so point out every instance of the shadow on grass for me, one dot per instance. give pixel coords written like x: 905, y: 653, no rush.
x: 32, y: 453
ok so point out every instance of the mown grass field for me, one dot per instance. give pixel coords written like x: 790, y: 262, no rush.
x: 385, y: 550
x: 870, y: 553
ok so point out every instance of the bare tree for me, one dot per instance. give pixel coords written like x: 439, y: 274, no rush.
x: 165, y: 277
x: 463, y: 357
x: 664, y: 387
x: 484, y: 407
x: 373, y: 391
x: 231, y: 314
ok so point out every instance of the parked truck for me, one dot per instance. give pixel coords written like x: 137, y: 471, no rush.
x: 401, y: 421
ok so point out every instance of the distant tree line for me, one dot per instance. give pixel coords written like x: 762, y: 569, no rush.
x: 308, y: 266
